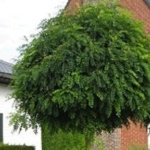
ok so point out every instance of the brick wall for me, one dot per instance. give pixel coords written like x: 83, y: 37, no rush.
x: 124, y: 138
x: 135, y: 135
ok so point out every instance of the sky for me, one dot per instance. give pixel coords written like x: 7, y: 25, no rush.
x: 19, y: 19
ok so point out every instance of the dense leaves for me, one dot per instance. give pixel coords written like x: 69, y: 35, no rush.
x: 66, y: 141
x: 16, y: 147
x: 89, y: 70
x: 61, y: 140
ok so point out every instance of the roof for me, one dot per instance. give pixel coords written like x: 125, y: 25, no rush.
x: 5, y: 67
x: 5, y: 71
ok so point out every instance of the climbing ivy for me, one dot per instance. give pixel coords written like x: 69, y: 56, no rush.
x: 85, y: 71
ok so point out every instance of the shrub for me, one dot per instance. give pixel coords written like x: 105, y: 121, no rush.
x: 98, y: 143
x: 138, y: 147
x: 62, y: 140
x: 67, y: 141
x: 16, y: 147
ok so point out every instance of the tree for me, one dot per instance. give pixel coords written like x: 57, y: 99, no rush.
x: 88, y: 71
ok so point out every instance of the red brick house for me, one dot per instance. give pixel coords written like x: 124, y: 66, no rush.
x: 122, y: 139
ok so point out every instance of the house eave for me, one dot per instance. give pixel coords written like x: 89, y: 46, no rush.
x: 5, y: 78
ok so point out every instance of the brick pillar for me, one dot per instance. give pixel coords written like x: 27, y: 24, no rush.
x: 135, y: 135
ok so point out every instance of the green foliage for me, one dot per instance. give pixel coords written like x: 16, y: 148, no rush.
x: 66, y: 141
x: 62, y: 140
x: 137, y: 147
x: 98, y: 143
x: 15, y: 147
x: 85, y: 71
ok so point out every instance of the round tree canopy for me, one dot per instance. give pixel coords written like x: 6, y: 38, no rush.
x: 85, y: 70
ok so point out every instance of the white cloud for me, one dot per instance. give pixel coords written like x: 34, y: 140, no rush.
x: 20, y: 18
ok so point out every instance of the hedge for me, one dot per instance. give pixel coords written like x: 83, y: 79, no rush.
x: 62, y: 140
x: 16, y: 147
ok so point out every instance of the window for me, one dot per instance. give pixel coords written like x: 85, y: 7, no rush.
x: 1, y: 127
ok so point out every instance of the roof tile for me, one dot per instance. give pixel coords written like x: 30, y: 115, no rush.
x: 5, y: 67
